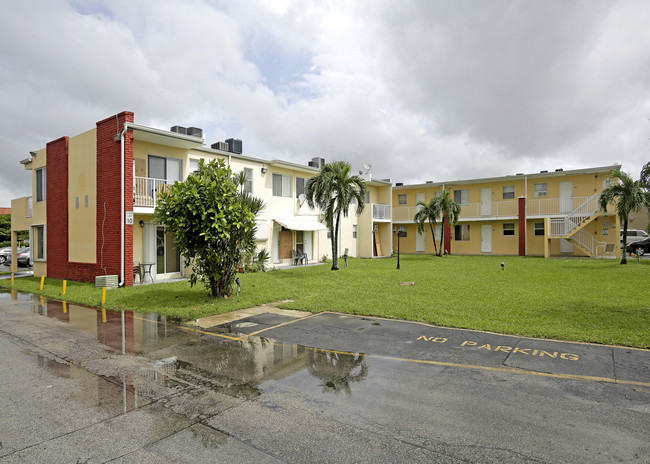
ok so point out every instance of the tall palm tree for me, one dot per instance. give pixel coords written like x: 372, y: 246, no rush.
x: 428, y: 212
x: 333, y: 190
x: 628, y: 196
x: 450, y: 211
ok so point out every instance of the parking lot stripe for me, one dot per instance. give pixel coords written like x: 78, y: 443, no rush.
x: 288, y: 322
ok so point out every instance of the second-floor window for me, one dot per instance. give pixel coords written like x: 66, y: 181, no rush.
x: 461, y: 196
x: 40, y: 184
x: 508, y: 192
x: 281, y: 185
x: 540, y: 190
x: 401, y: 199
x: 300, y: 186
x: 248, y: 184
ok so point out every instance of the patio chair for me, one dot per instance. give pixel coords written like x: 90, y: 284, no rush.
x: 137, y: 271
x: 297, y: 257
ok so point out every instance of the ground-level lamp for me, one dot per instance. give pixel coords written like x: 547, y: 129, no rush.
x: 400, y: 233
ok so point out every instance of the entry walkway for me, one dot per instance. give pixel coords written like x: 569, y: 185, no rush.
x: 416, y: 342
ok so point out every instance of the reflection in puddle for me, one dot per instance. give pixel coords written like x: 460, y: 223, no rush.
x: 189, y: 369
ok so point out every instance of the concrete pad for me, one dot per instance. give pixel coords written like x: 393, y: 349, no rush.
x: 226, y: 318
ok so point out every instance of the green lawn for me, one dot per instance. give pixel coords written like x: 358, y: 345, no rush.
x: 571, y: 299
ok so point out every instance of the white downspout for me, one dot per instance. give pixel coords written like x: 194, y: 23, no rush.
x: 123, y: 219
x: 526, y: 209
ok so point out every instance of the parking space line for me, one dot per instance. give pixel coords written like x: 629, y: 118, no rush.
x: 287, y: 323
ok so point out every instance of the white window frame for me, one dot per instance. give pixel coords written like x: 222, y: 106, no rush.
x: 463, y: 236
x: 284, y: 186
x: 248, y: 183
x: 508, y: 192
x: 402, y: 199
x: 33, y: 239
x: 540, y: 190
x: 509, y: 229
x: 539, y: 229
x: 41, y: 190
x: 463, y: 196
x: 354, y: 231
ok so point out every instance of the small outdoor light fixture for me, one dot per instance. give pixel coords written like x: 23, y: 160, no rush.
x: 503, y: 266
x: 399, y: 234
x: 264, y: 169
x: 141, y: 223
x: 238, y: 282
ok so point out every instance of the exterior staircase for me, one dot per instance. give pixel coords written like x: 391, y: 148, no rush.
x: 571, y: 227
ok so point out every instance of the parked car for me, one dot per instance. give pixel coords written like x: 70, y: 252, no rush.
x: 634, y: 235
x: 3, y: 254
x: 639, y: 248
x: 24, y: 257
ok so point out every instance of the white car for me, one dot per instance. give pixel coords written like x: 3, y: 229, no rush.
x: 634, y: 235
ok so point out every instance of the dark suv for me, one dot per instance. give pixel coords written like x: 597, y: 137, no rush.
x: 639, y: 248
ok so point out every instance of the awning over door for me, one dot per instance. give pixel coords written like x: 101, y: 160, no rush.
x: 301, y: 223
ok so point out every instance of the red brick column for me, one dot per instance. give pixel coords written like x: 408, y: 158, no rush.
x: 522, y: 226
x: 109, y: 219
x: 57, y: 208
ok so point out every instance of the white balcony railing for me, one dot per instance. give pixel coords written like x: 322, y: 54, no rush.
x: 381, y: 212
x: 553, y: 206
x: 146, y: 189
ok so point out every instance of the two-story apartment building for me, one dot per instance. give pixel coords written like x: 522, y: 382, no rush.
x: 94, y: 195
x: 541, y: 214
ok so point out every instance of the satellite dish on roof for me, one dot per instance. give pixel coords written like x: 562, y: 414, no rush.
x: 301, y: 198
x: 367, y: 167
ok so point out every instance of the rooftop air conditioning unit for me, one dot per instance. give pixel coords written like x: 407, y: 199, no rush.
x: 234, y: 146
x: 179, y: 130
x: 223, y: 146
x: 195, y: 132
x: 316, y: 162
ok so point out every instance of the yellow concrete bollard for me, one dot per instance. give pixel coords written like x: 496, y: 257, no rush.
x: 42, y: 282
x: 103, y: 296
x: 65, y: 283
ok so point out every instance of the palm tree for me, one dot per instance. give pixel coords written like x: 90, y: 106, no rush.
x: 333, y: 190
x: 428, y: 212
x: 628, y: 196
x: 450, y: 211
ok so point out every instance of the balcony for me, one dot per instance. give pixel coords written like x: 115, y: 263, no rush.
x: 381, y: 212
x: 146, y: 189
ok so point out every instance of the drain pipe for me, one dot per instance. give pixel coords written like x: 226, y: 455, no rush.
x: 122, y: 218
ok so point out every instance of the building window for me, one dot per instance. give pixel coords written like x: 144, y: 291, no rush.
x: 461, y: 232
x: 401, y: 199
x: 281, y: 185
x: 300, y: 186
x: 300, y: 241
x: 354, y: 231
x: 461, y: 196
x: 508, y: 192
x: 194, y: 165
x: 402, y: 230
x: 40, y: 184
x: 367, y: 197
x: 539, y: 229
x: 509, y: 229
x: 38, y: 236
x: 248, y: 183
x: 540, y: 190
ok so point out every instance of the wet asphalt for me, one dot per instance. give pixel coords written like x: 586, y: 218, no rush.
x: 85, y: 385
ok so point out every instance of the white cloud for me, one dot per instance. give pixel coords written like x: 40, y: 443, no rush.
x: 421, y: 90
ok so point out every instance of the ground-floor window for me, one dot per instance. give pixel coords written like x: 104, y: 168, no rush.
x: 38, y: 235
x: 402, y: 231
x: 539, y: 229
x: 509, y: 229
x: 461, y: 232
x: 354, y: 231
x: 300, y: 241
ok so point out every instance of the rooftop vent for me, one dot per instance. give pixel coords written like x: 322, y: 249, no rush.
x: 399, y: 184
x: 179, y: 130
x: 559, y: 170
x: 223, y: 146
x: 195, y: 132
x: 520, y: 174
x: 234, y: 146
x: 543, y: 172
x: 429, y: 182
x: 316, y: 162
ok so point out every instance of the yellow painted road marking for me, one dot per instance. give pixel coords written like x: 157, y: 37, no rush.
x: 287, y: 323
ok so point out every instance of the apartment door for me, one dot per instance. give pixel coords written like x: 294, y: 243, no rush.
x: 486, y: 238
x: 566, y: 197
x: 486, y: 201
x: 418, y: 197
x: 419, y: 242
x: 168, y: 259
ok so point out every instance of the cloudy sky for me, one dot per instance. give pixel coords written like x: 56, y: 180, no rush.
x: 420, y: 90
